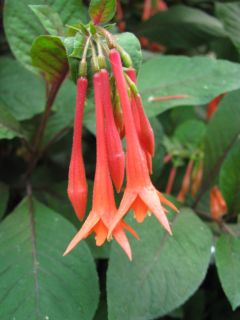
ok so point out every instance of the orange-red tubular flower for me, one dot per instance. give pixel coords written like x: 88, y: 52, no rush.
x: 103, y: 206
x: 143, y: 126
x: 77, y: 184
x: 140, y: 194
x: 186, y: 182
x: 218, y: 205
x: 114, y: 146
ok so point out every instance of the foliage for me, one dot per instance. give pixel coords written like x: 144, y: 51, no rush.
x: 190, y: 56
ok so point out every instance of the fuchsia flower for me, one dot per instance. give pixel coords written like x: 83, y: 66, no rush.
x: 140, y: 194
x: 114, y: 146
x: 77, y: 184
x: 103, y: 205
x: 119, y: 112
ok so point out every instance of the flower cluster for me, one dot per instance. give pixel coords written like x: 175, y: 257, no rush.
x: 119, y: 113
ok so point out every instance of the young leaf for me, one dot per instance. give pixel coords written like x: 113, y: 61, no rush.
x: 22, y: 27
x: 228, y: 267
x: 38, y: 282
x: 230, y: 179
x: 21, y: 92
x: 49, y: 18
x: 195, y: 80
x: 102, y: 11
x: 49, y: 56
x: 165, y: 270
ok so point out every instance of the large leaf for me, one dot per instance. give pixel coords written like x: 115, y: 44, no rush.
x: 49, y: 55
x: 22, y: 27
x: 229, y: 14
x: 9, y: 126
x: 230, y: 179
x: 102, y: 10
x: 4, y: 195
x: 165, y: 270
x: 21, y: 93
x: 181, y: 27
x: 200, y: 78
x: 49, y: 18
x: 38, y: 282
x: 222, y: 133
x: 228, y: 266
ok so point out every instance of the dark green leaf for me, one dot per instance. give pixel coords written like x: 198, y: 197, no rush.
x: 4, y: 195
x: 39, y: 283
x: 229, y: 14
x: 199, y: 79
x: 54, y: 195
x: 222, y: 133
x: 230, y: 179
x: 9, y: 126
x: 165, y: 270
x: 21, y: 93
x: 182, y: 27
x: 22, y: 27
x: 102, y: 11
x: 190, y: 132
x: 49, y: 56
x: 49, y: 18
x: 228, y: 266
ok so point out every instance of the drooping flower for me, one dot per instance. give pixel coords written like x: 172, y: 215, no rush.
x: 77, y: 183
x: 186, y: 182
x: 103, y: 204
x: 218, y: 206
x: 140, y: 194
x: 114, y: 146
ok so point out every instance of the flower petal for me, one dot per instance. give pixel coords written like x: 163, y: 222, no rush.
x: 122, y: 240
x: 140, y: 210
x: 88, y: 225
x: 126, y: 203
x: 150, y: 197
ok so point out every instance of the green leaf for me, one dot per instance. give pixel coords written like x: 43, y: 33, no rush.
x: 102, y: 11
x: 222, y: 133
x: 49, y: 56
x: 78, y: 46
x: 181, y: 27
x: 190, y: 132
x: 228, y: 267
x: 49, y: 18
x: 38, y: 282
x: 131, y: 44
x: 229, y: 14
x: 230, y: 179
x: 9, y: 126
x: 199, y: 79
x: 54, y: 195
x: 22, y: 27
x: 21, y: 92
x: 165, y: 271
x: 4, y: 195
